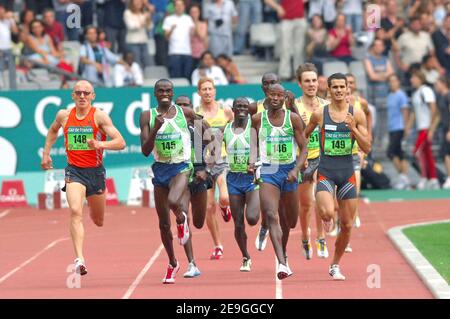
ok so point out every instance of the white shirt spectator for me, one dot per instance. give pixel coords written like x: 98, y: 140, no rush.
x: 214, y: 72
x: 180, y: 39
x: 5, y: 34
x: 137, y: 32
x: 413, y: 47
x: 124, y: 77
x: 420, y: 100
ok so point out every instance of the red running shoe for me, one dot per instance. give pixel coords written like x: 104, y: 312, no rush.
x: 171, y: 272
x: 217, y: 253
x: 183, y: 231
x: 226, y: 213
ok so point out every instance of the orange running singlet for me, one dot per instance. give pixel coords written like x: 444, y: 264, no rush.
x: 76, y: 134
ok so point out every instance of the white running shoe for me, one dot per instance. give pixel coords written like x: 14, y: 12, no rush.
x: 348, y: 249
x: 290, y: 272
x: 171, y: 273
x: 282, y: 272
x: 261, y: 239
x: 422, y: 183
x: 307, y: 249
x: 183, y: 231
x: 80, y: 267
x: 357, y: 222
x: 322, y: 250
x: 433, y: 184
x: 192, y: 271
x: 246, y: 265
x: 335, y: 272
x: 446, y: 184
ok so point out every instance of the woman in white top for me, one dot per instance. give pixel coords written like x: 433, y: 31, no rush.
x: 138, y: 20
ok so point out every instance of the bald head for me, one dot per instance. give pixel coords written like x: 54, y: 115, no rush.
x: 83, y: 94
x: 267, y: 79
x: 83, y: 85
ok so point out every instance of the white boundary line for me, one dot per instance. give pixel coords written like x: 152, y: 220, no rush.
x: 49, y: 246
x: 143, y: 272
x: 4, y: 213
x: 432, y: 279
x: 278, y: 283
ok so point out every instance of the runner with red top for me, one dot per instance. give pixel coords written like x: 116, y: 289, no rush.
x: 164, y: 131
x: 85, y: 131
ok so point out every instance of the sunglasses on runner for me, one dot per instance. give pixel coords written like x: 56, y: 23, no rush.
x: 85, y: 93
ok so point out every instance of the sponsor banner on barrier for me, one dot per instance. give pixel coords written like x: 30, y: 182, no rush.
x: 141, y: 179
x: 30, y: 113
x: 54, y: 181
x: 111, y: 194
x: 13, y: 194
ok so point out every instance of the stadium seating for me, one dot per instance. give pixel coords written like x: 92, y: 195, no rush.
x: 358, y: 70
x: 334, y: 67
x: 156, y: 71
x: 263, y: 35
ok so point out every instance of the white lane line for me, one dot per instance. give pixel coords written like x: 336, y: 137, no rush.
x: 143, y: 272
x: 49, y: 246
x: 4, y: 213
x: 278, y: 284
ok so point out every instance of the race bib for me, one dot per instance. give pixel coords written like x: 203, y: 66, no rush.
x: 338, y: 143
x: 169, y: 145
x: 279, y: 148
x: 238, y: 160
x: 314, y: 140
x: 77, y: 137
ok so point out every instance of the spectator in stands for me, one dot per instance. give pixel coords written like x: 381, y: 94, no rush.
x: 162, y: 8
x: 129, y: 73
x: 439, y: 12
x: 26, y: 17
x: 96, y: 62
x: 115, y: 25
x: 326, y: 9
x: 441, y: 42
x: 38, y: 6
x: 353, y: 11
x: 378, y: 69
x: 392, y: 25
x: 322, y: 87
x: 53, y: 28
x: 178, y: 29
x: 431, y: 69
x: 7, y: 28
x: 398, y: 113
x: 72, y: 33
x: 293, y: 33
x: 102, y: 41
x: 208, y: 69
x: 427, y: 23
x: 412, y: 46
x: 230, y: 68
x: 443, y: 103
x: 41, y: 45
x: 316, y: 43
x: 426, y: 117
x: 138, y: 20
x: 250, y: 12
x: 340, y: 40
x: 417, y: 7
x: 221, y: 16
x: 199, y: 40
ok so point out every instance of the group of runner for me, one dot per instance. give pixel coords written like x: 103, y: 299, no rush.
x: 275, y: 161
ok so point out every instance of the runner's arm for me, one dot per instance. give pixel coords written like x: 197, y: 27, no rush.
x: 358, y: 127
x: 147, y: 135
x: 313, y: 122
x: 106, y: 125
x: 301, y: 140
x: 369, y: 119
x: 52, y: 135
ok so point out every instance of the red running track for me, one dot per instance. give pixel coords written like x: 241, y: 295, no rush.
x: 125, y: 259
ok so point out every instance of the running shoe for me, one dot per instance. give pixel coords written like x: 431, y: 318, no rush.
x: 322, y: 250
x: 183, y: 231
x: 192, y: 271
x: 290, y: 272
x: 217, y: 253
x: 307, y: 249
x: 348, y: 249
x: 335, y: 272
x: 446, y: 184
x: 80, y: 267
x: 226, y: 213
x: 433, y: 184
x: 246, y: 264
x: 282, y: 272
x: 171, y: 273
x: 422, y: 184
x: 357, y: 222
x: 261, y: 239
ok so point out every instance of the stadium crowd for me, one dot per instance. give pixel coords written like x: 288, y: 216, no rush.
x: 407, y: 62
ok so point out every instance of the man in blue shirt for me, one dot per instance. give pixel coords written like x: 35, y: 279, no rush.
x: 398, y: 113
